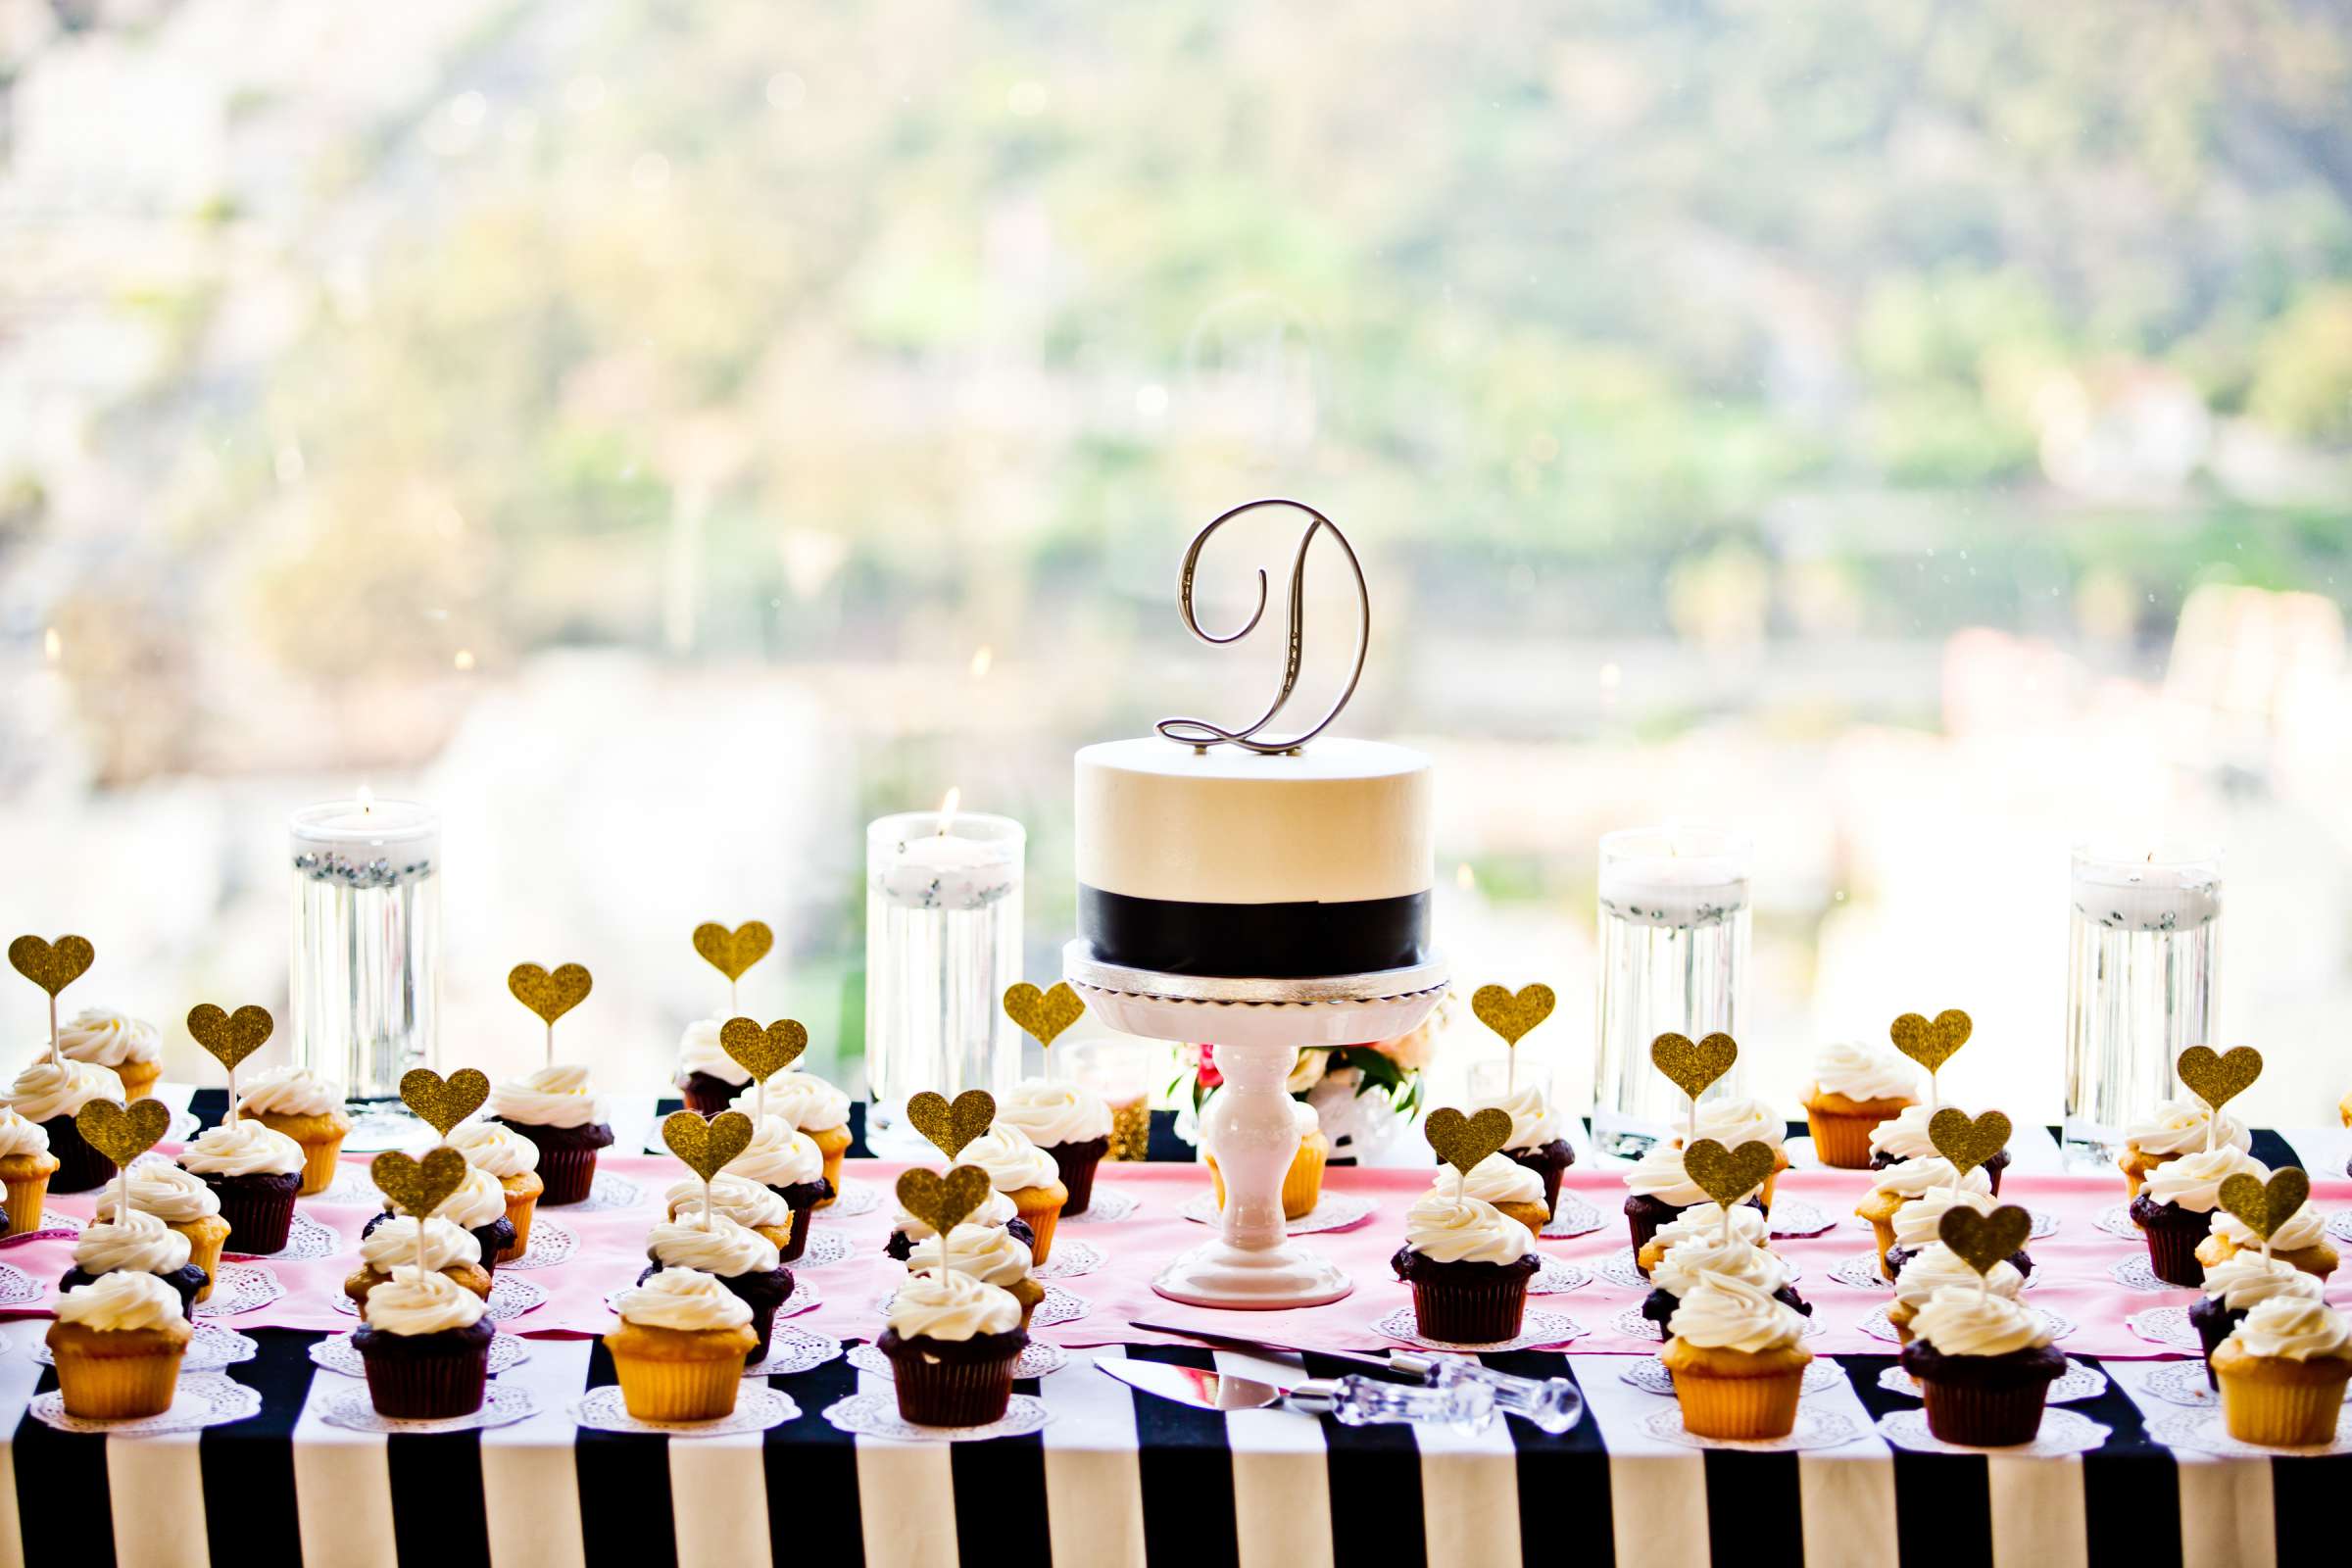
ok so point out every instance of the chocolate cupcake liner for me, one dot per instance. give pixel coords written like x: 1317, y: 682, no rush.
x: 1987, y: 1415
x: 802, y: 1215
x: 1479, y: 1313
x: 260, y: 1216
x: 567, y: 1173
x: 2173, y: 1254
x: 80, y: 1168
x: 952, y: 1394
x: 707, y: 1095
x: 428, y: 1385
x: 1076, y: 1162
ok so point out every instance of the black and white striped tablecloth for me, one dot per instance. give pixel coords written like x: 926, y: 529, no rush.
x: 1114, y: 1477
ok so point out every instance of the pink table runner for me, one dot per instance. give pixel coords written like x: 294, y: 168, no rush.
x: 2073, y: 1266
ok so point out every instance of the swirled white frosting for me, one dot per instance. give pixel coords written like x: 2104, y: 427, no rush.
x: 1904, y: 1136
x: 801, y: 1098
x: 1659, y: 1174
x: 2305, y: 1227
x: 779, y: 1154
x: 1467, y: 1231
x: 481, y: 1202
x: 2194, y: 1181
x: 1916, y: 1222
x: 951, y: 1306
x: 2178, y: 1127
x: 1732, y: 1122
x: 1533, y: 1123
x: 1860, y: 1071
x: 1962, y: 1320
x: 2292, y: 1328
x: 1010, y: 1159
x: 108, y: 1038
x: 2243, y: 1278
x: 1721, y: 1314
x: 718, y: 1246
x: 1936, y: 1265
x: 1684, y: 1264
x: 1495, y: 1179
x: 416, y: 1300
x: 553, y: 1097
x: 1305, y: 1118
x: 47, y: 1090
x: 1916, y: 1177
x: 1706, y: 1219
x: 19, y: 1135
x: 172, y: 1195
x: 985, y: 1253
x: 291, y: 1090
x: 137, y: 1242
x: 394, y: 1243
x: 242, y: 1147
x: 683, y: 1298
x: 1052, y: 1112
x: 996, y: 1210
x: 496, y: 1147
x: 737, y: 1198
x: 699, y: 1050
x: 130, y: 1299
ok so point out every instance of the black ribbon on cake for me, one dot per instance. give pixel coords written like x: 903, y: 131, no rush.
x: 1268, y: 941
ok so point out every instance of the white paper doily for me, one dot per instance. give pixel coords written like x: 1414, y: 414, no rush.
x: 1619, y: 1270
x: 2139, y: 1274
x: 206, y: 1400
x: 181, y: 1127
x: 1336, y: 1212
x: 1861, y: 1272
x: 1039, y: 1360
x: 1877, y: 1327
x: 1557, y: 1274
x: 306, y: 1240
x: 240, y: 1288
x: 825, y: 1249
x: 876, y: 1415
x: 336, y: 1353
x: 17, y: 1286
x: 1573, y: 1216
x: 1108, y: 1206
x: 2167, y: 1326
x: 350, y: 1186
x: 551, y: 1243
x: 2080, y: 1381
x: 2063, y: 1431
x: 1794, y: 1217
x: 859, y: 1197
x: 210, y: 1348
x: 1815, y: 1428
x: 1071, y: 1258
x: 790, y: 1350
x: 1535, y: 1328
x: 2205, y: 1432
x: 2180, y: 1382
x: 1058, y: 1306
x: 2117, y: 1221
x: 608, y: 1191
x: 1648, y: 1374
x: 2044, y: 1224
x: 503, y: 1404
x: 2339, y: 1224
x: 757, y: 1408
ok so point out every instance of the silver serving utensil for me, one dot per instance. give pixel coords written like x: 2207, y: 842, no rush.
x: 1353, y: 1401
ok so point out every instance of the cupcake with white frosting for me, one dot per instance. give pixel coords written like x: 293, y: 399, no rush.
x: 50, y: 1094
x: 511, y: 1159
x: 2283, y: 1371
x: 306, y: 1108
x: 555, y: 1109
x: 788, y: 1163
x: 1985, y: 1365
x: 749, y: 1204
x: 681, y: 1347
x: 952, y: 1341
x: 118, y: 1343
x: 2177, y: 1204
x: 2174, y: 1128
x: 815, y: 1107
x: 1069, y: 1121
x: 2233, y: 1287
x: 25, y: 1167
x: 424, y: 1341
x: 1855, y: 1086
x: 1503, y: 1182
x: 706, y: 1076
x: 2302, y: 1242
x: 132, y: 1047
x: 448, y: 1249
x: 1906, y: 1138
x: 185, y: 1204
x: 255, y: 1172
x: 1736, y: 1358
x: 1024, y: 1173
x: 479, y: 1207
x: 134, y: 1243
x: 1469, y: 1265
x: 1703, y: 1219
x: 1537, y: 1138
x: 738, y: 1256
x: 1732, y: 1122
x: 908, y: 1230
x: 1932, y: 1269
x: 1695, y: 1257
x: 1658, y: 1191
x: 989, y: 1254
x: 1303, y: 1182
x: 1914, y: 1181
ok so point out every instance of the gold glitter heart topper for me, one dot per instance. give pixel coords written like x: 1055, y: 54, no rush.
x: 1463, y: 1141
x: 951, y: 1127
x: 1045, y: 1015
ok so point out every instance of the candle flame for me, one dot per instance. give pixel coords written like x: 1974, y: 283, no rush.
x: 52, y: 647
x: 464, y: 659
x: 982, y: 657
x: 1465, y: 878
x: 366, y: 799
x: 948, y: 808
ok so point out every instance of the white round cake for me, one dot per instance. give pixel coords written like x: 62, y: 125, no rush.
x: 1230, y: 862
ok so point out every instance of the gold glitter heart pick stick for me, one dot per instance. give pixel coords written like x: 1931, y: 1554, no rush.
x: 53, y: 966
x: 549, y: 996
x: 1511, y: 1015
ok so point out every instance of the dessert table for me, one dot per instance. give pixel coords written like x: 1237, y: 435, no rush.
x: 1113, y: 1476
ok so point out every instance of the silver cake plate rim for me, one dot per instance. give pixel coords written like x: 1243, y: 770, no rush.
x: 1081, y: 968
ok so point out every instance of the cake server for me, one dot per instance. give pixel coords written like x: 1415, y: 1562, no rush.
x: 1352, y: 1400
x: 1550, y: 1404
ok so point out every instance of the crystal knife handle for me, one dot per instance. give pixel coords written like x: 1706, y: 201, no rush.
x: 1551, y: 1404
x: 1358, y: 1401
